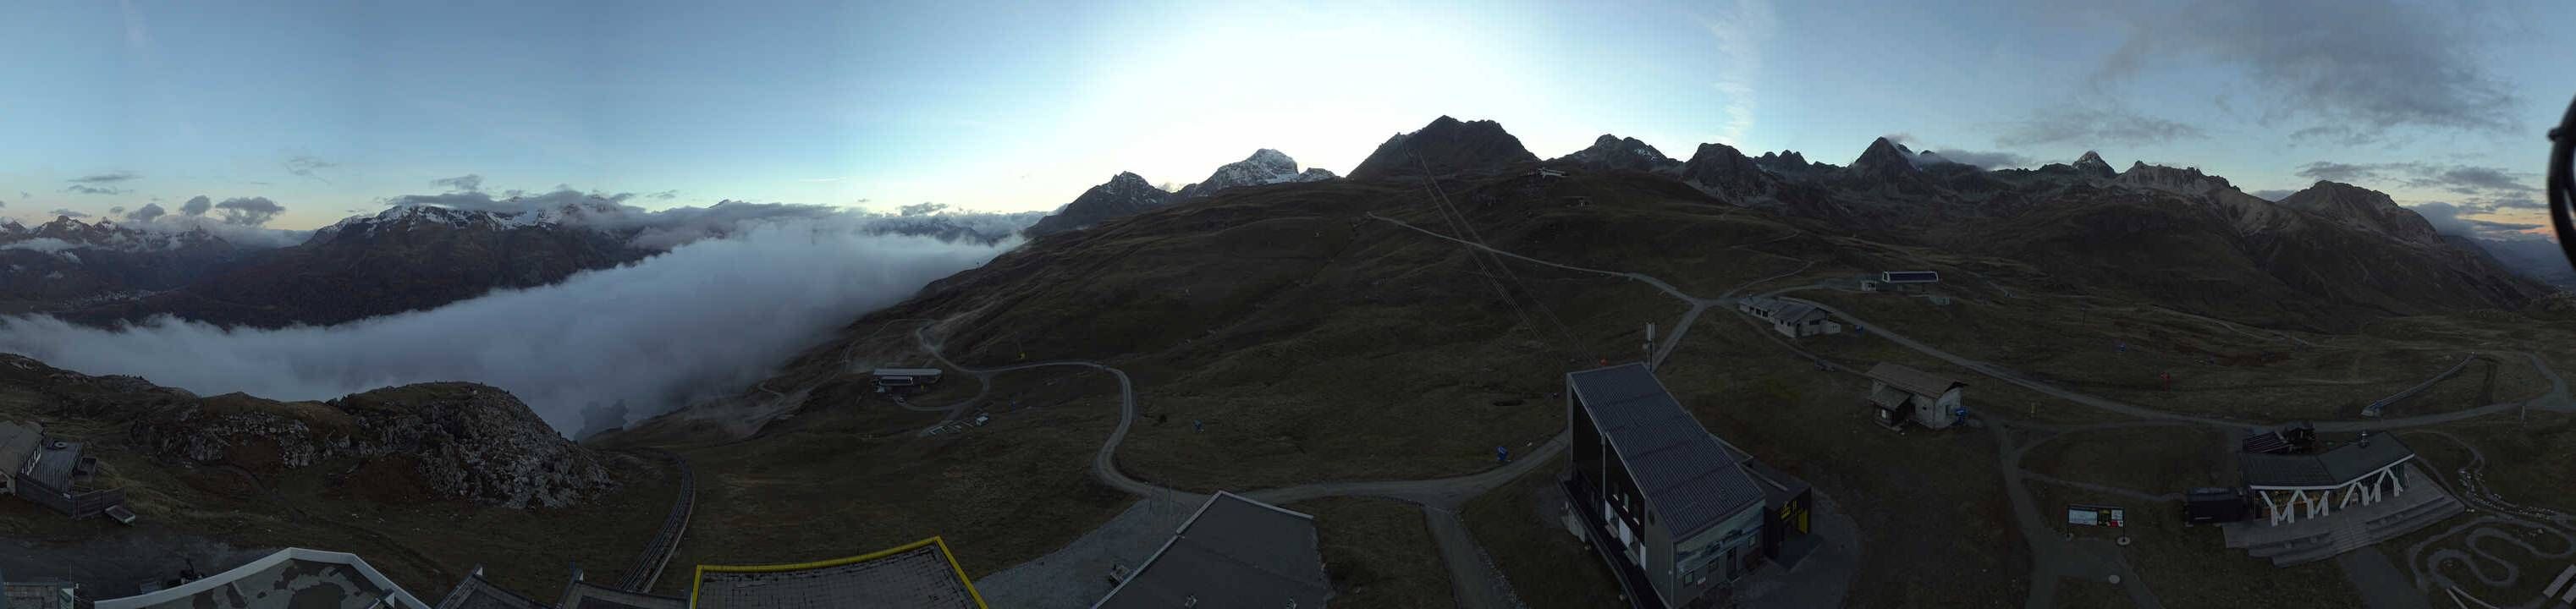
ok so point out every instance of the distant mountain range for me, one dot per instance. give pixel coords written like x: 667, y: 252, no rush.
x: 405, y: 258
x: 69, y: 261
x: 2327, y: 256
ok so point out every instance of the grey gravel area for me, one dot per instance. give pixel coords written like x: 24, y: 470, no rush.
x: 1077, y: 575
x: 1822, y: 578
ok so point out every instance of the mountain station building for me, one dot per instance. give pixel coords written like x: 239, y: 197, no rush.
x: 2310, y: 507
x: 1677, y: 513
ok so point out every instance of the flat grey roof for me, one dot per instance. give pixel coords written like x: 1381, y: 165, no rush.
x: 916, y: 576
x: 478, y: 593
x: 906, y: 372
x: 2328, y: 469
x: 1684, y: 471
x: 586, y: 595
x: 1235, y: 552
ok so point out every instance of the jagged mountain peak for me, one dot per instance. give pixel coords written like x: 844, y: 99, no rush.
x: 2092, y: 164
x: 1883, y: 160
x: 2186, y: 180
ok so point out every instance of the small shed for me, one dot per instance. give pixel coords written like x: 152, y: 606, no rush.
x: 1898, y: 393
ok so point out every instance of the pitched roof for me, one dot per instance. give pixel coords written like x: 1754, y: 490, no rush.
x: 1235, y: 552
x: 919, y: 574
x: 1913, y: 381
x: 17, y: 441
x: 1798, y: 312
x: 1684, y: 472
x: 1889, y: 397
x: 291, y: 573
x: 2328, y: 469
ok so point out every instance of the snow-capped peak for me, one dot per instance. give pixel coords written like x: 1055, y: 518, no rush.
x: 1265, y: 166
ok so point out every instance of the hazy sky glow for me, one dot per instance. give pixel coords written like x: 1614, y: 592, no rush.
x: 326, y: 107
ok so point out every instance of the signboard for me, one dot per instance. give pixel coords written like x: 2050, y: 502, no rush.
x: 2097, y: 515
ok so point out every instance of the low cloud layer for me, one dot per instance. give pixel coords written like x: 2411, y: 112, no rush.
x: 196, y: 206
x: 706, y: 319
x: 69, y: 213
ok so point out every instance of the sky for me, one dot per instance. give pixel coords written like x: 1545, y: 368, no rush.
x: 309, y: 112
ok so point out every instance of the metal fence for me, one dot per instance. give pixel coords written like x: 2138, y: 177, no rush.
x: 648, y: 566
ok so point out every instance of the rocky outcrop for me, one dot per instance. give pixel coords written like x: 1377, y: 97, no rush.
x: 434, y: 440
x: 1446, y: 146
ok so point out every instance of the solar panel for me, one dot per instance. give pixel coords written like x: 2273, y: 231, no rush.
x: 1910, y: 276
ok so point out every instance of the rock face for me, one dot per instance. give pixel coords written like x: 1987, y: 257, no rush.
x: 2189, y: 181
x: 1265, y: 166
x: 1125, y: 194
x: 1448, y: 146
x: 432, y: 440
x: 1611, y: 152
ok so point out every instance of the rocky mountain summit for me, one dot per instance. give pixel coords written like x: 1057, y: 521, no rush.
x: 1265, y: 166
x: 1614, y: 152
x: 1446, y: 146
x: 1125, y: 194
